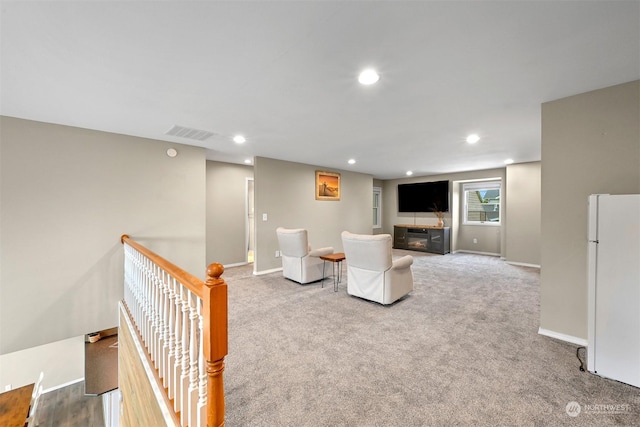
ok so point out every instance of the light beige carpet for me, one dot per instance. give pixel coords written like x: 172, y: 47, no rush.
x: 462, y: 349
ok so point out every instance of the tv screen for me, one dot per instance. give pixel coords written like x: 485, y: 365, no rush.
x: 424, y: 197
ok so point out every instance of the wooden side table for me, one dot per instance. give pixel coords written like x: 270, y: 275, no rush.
x: 336, y: 261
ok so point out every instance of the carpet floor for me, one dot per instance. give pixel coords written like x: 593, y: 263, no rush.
x: 462, y: 349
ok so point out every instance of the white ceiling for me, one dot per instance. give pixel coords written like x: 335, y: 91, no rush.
x: 283, y: 73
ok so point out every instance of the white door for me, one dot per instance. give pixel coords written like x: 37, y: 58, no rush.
x: 617, y: 291
x: 250, y: 225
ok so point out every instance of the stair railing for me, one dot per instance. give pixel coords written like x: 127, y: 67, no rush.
x: 182, y: 322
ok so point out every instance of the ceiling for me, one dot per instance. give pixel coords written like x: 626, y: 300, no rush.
x: 283, y: 73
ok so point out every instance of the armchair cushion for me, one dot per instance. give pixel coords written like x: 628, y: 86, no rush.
x: 299, y: 262
x: 371, y: 272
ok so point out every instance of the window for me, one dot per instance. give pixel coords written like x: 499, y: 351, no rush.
x: 377, y: 207
x: 482, y: 202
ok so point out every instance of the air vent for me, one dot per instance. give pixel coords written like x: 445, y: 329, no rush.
x: 189, y: 133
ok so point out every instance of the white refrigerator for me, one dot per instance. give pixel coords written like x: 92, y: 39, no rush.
x: 614, y: 287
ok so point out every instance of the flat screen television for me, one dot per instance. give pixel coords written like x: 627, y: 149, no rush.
x: 423, y: 197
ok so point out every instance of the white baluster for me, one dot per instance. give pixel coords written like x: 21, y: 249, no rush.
x: 177, y: 366
x: 142, y: 325
x: 184, y: 375
x: 161, y: 321
x: 166, y: 310
x: 193, y: 362
x: 135, y: 288
x: 171, y: 334
x: 156, y: 318
x: 201, y: 409
x: 148, y: 303
x: 144, y: 300
x: 139, y: 296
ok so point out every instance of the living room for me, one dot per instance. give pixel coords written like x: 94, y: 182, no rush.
x: 51, y: 178
x: 69, y: 193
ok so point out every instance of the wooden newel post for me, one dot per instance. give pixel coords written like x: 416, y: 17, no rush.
x: 215, y: 341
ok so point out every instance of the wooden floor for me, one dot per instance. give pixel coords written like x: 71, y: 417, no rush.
x: 69, y: 407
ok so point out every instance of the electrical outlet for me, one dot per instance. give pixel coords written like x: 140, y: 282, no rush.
x: 264, y: 216
x: 277, y: 254
x: 475, y: 240
x: 7, y: 387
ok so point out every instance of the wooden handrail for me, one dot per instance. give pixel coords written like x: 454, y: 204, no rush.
x: 190, y: 281
x: 213, y: 293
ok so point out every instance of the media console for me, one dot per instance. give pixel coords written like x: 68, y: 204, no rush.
x: 424, y: 238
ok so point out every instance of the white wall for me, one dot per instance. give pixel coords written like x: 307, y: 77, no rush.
x: 66, y: 197
x: 590, y: 144
x: 61, y: 361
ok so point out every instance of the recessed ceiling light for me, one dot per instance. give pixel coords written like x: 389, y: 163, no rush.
x: 172, y: 152
x: 508, y: 161
x: 368, y: 77
x: 473, y: 138
x: 248, y: 161
x: 409, y: 173
x: 352, y: 161
x: 239, y: 139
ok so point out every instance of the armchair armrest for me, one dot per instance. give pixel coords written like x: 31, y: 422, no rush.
x: 400, y: 263
x: 322, y: 251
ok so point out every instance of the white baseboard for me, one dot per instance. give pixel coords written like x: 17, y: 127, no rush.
x: 523, y: 264
x: 62, y: 385
x: 475, y: 252
x: 235, y: 264
x: 273, y: 270
x: 563, y: 337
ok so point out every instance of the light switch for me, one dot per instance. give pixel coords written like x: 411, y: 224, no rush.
x: 264, y: 216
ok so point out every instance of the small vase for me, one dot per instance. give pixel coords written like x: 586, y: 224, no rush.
x: 440, y: 223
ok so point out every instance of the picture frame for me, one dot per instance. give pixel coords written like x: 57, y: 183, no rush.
x: 327, y: 186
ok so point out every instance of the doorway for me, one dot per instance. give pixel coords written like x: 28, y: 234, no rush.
x: 250, y: 224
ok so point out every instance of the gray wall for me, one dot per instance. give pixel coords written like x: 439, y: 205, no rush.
x: 285, y: 192
x: 226, y: 212
x: 590, y: 144
x: 522, y: 232
x: 67, y: 195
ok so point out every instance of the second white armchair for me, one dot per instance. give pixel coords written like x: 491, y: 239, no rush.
x: 372, y: 273
x: 299, y: 262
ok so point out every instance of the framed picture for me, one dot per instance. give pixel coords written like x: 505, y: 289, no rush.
x: 327, y: 186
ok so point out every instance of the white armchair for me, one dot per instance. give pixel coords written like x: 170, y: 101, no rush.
x: 299, y: 262
x: 372, y: 273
